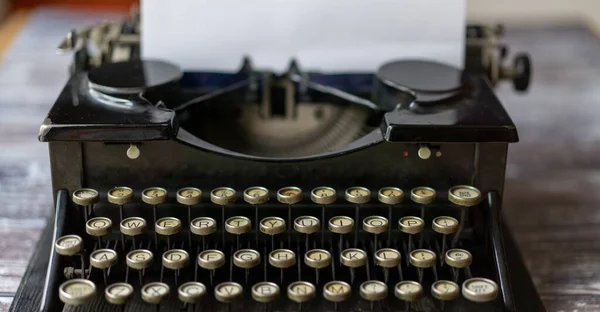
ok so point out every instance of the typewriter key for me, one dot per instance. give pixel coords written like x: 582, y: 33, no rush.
x: 422, y: 259
x: 167, y: 226
x: 282, y: 258
x: 246, y: 259
x: 265, y: 292
x: 375, y: 225
x: 307, y: 225
x: 77, y: 291
x: 132, y: 226
x: 445, y: 226
x: 422, y: 195
x: 211, y: 259
x: 317, y: 259
x: 458, y: 259
x: 411, y: 226
x: 444, y: 291
x: 387, y: 258
x: 118, y: 293
x: 85, y: 197
x: 289, y: 195
x: 272, y: 226
x: 98, y: 227
x: 120, y: 195
x: 324, y: 196
x: 341, y: 225
x: 223, y: 196
x: 353, y: 258
x: 103, y: 259
x: 408, y: 291
x: 203, y: 226
x: 154, y: 195
x: 68, y: 245
x: 373, y: 291
x: 139, y: 259
x: 155, y: 293
x: 228, y: 292
x: 189, y: 196
x: 463, y: 196
x: 174, y: 259
x: 337, y: 291
x: 479, y: 289
x: 357, y: 195
x: 191, y: 292
x: 238, y: 225
x: 390, y: 195
x: 256, y: 195
x: 301, y: 292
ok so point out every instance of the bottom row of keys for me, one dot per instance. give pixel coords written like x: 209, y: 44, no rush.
x: 79, y: 291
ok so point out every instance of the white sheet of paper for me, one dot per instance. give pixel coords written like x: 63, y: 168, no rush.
x: 322, y: 35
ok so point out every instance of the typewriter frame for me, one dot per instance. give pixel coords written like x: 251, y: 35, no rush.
x: 76, y: 163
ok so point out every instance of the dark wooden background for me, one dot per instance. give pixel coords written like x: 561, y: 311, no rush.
x: 553, y: 174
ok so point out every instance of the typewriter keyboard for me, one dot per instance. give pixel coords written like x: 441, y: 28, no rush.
x: 287, y: 250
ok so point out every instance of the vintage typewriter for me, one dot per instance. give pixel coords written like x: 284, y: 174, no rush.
x: 261, y: 192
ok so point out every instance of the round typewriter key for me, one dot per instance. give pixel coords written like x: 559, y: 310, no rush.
x: 373, y: 290
x: 167, y: 226
x: 132, y: 226
x: 307, y: 224
x: 282, y: 258
x: 272, y: 225
x: 387, y: 258
x: 422, y: 258
x: 222, y: 196
x: 118, y: 293
x: 300, y: 292
x: 353, y: 257
x: 265, y: 292
x: 289, y: 195
x: 464, y: 195
x: 317, y: 258
x: 238, y: 225
x: 375, y: 224
x: 77, y: 291
x: 458, y: 258
x: 103, y: 258
x: 246, y: 258
x: 228, y: 292
x: 175, y: 259
x: 189, y: 196
x: 211, y: 259
x: 323, y: 195
x: 411, y: 225
x: 337, y: 291
x: 444, y: 290
x: 139, y: 259
x: 408, y: 291
x: 203, y: 226
x: 68, y: 245
x: 120, y: 195
x: 445, y: 225
x: 422, y: 195
x: 479, y: 289
x: 341, y: 224
x: 256, y: 195
x: 155, y: 293
x: 98, y: 226
x: 154, y: 195
x: 85, y: 196
x: 191, y: 292
x: 390, y: 195
x: 357, y: 195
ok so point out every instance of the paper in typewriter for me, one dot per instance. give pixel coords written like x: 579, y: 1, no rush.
x: 322, y: 35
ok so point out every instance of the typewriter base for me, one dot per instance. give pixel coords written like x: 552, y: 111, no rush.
x: 29, y: 294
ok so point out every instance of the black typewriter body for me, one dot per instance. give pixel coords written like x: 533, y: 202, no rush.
x: 123, y: 124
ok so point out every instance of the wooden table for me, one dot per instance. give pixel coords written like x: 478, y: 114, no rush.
x: 553, y: 176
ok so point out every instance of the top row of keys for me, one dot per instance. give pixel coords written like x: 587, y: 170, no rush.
x: 461, y: 195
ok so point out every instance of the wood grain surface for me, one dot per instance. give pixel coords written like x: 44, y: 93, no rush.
x: 551, y: 201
